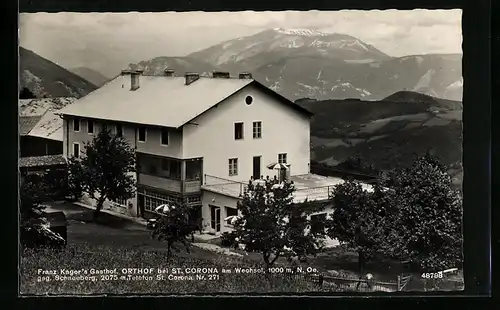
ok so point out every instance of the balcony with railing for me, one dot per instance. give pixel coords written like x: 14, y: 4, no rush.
x: 308, y: 186
x: 174, y: 175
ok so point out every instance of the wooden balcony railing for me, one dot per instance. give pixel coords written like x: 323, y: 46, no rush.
x: 171, y: 185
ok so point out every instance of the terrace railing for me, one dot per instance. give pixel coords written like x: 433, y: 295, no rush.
x: 238, y: 188
x: 230, y: 186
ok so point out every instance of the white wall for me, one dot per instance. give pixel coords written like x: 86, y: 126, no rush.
x: 151, y: 146
x: 221, y: 201
x: 153, y: 143
x: 284, y: 130
x: 82, y: 136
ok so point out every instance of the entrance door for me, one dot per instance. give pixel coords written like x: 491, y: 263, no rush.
x: 140, y: 205
x: 215, y: 218
x: 256, y: 167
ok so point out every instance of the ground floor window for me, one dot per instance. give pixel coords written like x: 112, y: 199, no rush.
x: 121, y: 202
x: 154, y: 199
x: 194, y: 200
x: 231, y: 211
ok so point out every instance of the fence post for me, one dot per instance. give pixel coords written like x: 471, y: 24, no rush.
x: 399, y: 283
x: 205, y: 179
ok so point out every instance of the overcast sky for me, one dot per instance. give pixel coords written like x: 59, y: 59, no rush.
x: 110, y: 41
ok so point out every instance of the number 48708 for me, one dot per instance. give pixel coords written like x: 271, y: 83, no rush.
x: 432, y: 275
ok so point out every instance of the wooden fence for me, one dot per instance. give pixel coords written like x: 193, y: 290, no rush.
x: 403, y: 283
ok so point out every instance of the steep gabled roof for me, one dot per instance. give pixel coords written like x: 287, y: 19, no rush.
x: 27, y: 123
x: 50, y: 126
x: 161, y: 100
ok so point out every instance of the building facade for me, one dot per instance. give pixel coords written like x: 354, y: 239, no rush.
x: 189, y: 128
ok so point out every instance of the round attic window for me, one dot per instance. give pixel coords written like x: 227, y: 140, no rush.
x: 249, y: 100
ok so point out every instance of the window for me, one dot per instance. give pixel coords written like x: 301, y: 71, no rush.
x: 90, y: 126
x: 238, y: 131
x: 153, y: 200
x: 282, y: 158
x: 120, y: 201
x: 171, y: 168
x: 231, y: 211
x: 257, y: 130
x: 233, y: 166
x: 193, y: 169
x: 164, y: 136
x: 76, y: 150
x: 142, y: 134
x: 119, y: 130
x: 249, y: 100
x: 76, y: 124
x: 175, y: 169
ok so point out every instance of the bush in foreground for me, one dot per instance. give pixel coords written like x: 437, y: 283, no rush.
x: 86, y: 257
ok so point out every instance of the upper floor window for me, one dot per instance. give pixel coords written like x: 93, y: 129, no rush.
x: 76, y: 150
x: 164, y: 136
x: 90, y: 126
x: 282, y: 158
x: 142, y: 134
x: 233, y: 166
x: 257, y: 130
x: 119, y: 130
x: 238, y: 131
x: 76, y: 124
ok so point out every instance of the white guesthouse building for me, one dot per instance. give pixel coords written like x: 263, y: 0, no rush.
x: 198, y: 140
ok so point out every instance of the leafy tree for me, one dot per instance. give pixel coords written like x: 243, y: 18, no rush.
x: 175, y: 226
x: 34, y: 227
x: 75, y: 186
x: 25, y: 93
x: 426, y: 230
x: 32, y: 193
x: 358, y: 219
x: 104, y: 169
x: 273, y: 225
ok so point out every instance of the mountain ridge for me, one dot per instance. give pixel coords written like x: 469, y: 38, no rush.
x: 91, y: 75
x: 302, y: 63
x: 45, y: 78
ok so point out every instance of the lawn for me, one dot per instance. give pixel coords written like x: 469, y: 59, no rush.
x: 119, y: 243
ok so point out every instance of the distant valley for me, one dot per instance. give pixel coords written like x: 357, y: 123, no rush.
x: 387, y: 133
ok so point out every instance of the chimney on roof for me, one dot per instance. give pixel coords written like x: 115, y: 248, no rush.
x: 134, y: 78
x: 191, y: 77
x: 220, y: 75
x: 245, y: 75
x: 169, y: 72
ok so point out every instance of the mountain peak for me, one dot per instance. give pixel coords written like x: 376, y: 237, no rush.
x: 300, y: 32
